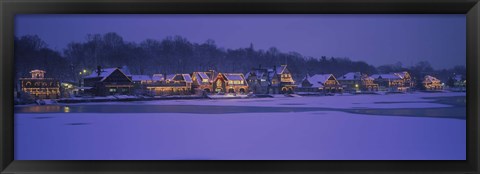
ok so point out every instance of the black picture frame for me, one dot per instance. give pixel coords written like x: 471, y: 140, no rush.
x: 9, y: 8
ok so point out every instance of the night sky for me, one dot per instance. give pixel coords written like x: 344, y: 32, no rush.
x: 375, y: 39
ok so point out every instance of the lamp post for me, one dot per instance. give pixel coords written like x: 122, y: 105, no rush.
x: 82, y: 74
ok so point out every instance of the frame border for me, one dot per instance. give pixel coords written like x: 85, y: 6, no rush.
x: 9, y: 8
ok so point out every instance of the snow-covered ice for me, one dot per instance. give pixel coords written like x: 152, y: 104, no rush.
x: 323, y: 135
x: 416, y: 100
x: 282, y: 136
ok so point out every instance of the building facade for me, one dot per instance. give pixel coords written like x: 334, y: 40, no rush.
x: 40, y: 87
x: 320, y: 84
x: 282, y: 80
x: 271, y: 80
x: 394, y: 82
x: 459, y: 81
x: 259, y: 81
x: 357, y: 82
x: 230, y: 83
x: 109, y: 81
x: 173, y: 84
x: 203, y: 81
x: 431, y: 83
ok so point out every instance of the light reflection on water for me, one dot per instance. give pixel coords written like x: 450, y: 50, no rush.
x: 445, y: 112
x: 66, y: 109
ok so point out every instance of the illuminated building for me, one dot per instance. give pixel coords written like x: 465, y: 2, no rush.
x: 431, y: 83
x: 203, y: 80
x: 40, y: 87
x: 320, y: 83
x: 271, y: 81
x: 172, y: 84
x: 356, y: 82
x: 108, y: 81
x: 230, y: 83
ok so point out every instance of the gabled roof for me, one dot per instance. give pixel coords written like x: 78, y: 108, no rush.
x: 351, y: 76
x: 104, y: 73
x: 201, y: 76
x: 318, y: 80
x: 187, y: 78
x: 160, y: 77
x: 141, y: 77
x: 430, y: 79
x: 386, y: 76
x: 260, y: 73
x: 170, y: 76
x: 368, y: 78
x: 279, y: 70
x: 37, y: 70
x: 271, y: 74
x: 458, y: 77
x: 157, y: 77
x: 401, y: 74
x: 234, y: 76
x: 182, y: 77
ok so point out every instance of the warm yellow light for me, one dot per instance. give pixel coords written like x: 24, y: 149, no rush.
x: 66, y: 109
x: 80, y: 73
x: 84, y: 71
x: 356, y: 85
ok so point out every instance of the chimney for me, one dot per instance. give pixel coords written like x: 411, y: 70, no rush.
x: 274, y: 69
x: 165, y: 77
x: 99, y: 70
x: 259, y: 66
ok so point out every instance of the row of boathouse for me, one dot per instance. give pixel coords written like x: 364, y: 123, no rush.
x: 274, y: 80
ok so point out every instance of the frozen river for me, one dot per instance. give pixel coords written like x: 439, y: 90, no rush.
x: 403, y: 126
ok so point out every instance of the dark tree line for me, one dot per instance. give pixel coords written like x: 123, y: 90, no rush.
x: 32, y: 53
x: 178, y: 55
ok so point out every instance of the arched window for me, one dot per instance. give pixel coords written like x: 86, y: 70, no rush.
x: 284, y: 90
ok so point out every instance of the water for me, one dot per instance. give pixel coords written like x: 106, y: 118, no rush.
x: 142, y: 131
x: 456, y: 111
